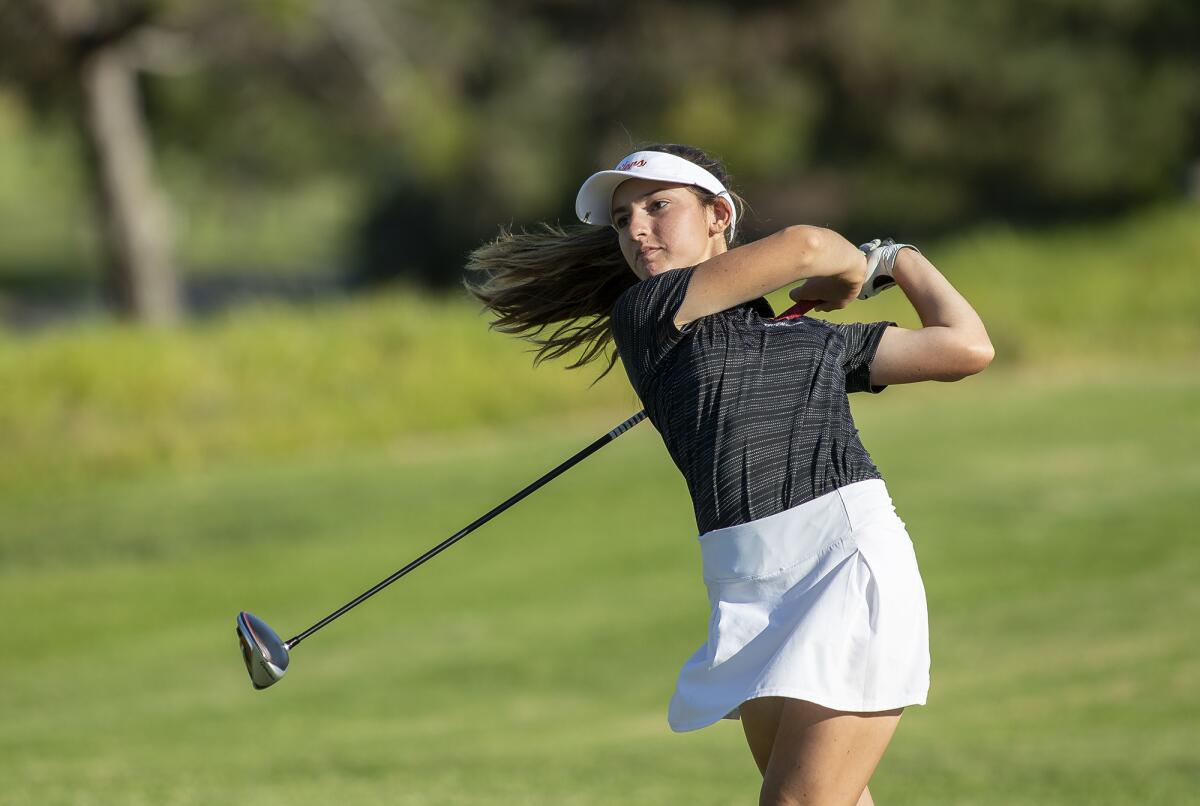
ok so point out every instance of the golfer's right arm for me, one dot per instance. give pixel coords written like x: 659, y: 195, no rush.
x: 952, y: 342
x: 788, y: 256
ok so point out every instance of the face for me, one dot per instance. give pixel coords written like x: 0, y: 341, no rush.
x: 663, y: 226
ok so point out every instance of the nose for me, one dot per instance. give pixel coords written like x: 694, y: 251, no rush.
x: 639, y: 224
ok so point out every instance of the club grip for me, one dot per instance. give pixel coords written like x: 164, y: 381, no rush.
x: 799, y: 309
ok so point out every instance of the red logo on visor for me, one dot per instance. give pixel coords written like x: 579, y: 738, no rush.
x: 629, y: 165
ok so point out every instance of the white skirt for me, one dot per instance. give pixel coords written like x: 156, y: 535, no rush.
x: 822, y: 602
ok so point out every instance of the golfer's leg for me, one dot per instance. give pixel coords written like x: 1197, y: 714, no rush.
x: 760, y: 721
x: 822, y: 756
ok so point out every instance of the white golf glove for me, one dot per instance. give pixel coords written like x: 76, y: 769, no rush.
x: 881, y: 257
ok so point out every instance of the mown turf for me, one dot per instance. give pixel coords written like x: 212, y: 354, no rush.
x: 1053, y: 517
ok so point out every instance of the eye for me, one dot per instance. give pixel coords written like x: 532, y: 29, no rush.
x: 620, y: 220
x: 659, y: 204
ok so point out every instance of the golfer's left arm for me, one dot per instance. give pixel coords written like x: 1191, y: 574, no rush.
x: 952, y: 342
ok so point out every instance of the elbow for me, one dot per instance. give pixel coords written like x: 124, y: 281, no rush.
x: 973, y: 358
x: 807, y: 243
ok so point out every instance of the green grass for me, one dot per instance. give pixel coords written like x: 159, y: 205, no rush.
x: 101, y: 398
x: 1052, y: 514
x: 281, y: 459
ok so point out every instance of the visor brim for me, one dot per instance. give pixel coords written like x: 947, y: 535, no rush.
x: 593, y: 204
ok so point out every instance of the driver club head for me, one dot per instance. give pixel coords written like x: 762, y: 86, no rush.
x: 266, y: 656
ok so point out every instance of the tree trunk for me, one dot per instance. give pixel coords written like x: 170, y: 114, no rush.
x: 139, y: 278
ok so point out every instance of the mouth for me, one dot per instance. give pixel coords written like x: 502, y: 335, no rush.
x: 645, y: 253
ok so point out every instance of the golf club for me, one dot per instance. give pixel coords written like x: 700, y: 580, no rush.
x: 267, y: 657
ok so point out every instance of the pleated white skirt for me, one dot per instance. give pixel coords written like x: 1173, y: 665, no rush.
x: 822, y: 602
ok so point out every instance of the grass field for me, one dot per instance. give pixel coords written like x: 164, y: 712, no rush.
x: 1052, y: 512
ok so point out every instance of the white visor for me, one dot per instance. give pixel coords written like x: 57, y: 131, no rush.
x: 593, y: 205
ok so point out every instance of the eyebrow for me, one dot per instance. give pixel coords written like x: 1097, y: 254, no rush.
x: 624, y: 207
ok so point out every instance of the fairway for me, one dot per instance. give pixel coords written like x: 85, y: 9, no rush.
x: 1053, y: 517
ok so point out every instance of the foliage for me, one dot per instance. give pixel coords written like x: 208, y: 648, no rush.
x: 1119, y: 286
x: 99, y: 398
x: 449, y: 119
x: 102, y: 398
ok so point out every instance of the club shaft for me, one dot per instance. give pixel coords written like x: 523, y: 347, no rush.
x: 466, y: 530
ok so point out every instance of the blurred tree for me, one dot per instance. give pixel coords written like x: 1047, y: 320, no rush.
x: 1028, y: 109
x: 869, y: 115
x: 76, y: 53
x: 254, y: 90
x: 454, y: 117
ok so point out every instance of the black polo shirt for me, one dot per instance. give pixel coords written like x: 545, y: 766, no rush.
x: 753, y: 411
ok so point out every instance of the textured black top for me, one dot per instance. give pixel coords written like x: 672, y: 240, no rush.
x: 753, y: 411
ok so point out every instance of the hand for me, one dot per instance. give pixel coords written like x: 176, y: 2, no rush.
x: 881, y: 260
x: 832, y: 293
x: 835, y: 292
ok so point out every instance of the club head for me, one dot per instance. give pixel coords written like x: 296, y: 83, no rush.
x: 265, y: 654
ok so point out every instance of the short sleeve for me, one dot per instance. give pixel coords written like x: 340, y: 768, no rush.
x: 643, y: 323
x: 861, y: 340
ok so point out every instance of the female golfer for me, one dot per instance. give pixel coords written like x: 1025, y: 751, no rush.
x: 818, y: 635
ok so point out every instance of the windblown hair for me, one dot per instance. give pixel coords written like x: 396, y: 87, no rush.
x: 565, y: 278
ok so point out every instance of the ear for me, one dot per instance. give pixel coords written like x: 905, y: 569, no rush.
x: 719, y: 216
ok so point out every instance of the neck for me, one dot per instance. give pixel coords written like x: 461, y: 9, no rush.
x: 716, y: 246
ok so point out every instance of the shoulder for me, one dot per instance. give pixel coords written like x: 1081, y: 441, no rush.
x: 652, y: 299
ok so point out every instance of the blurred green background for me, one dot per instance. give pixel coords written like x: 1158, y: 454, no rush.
x: 237, y: 371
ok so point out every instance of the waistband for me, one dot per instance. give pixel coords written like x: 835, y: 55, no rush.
x: 793, y: 535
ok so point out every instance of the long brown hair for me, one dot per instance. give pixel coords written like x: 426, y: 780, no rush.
x: 565, y: 278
